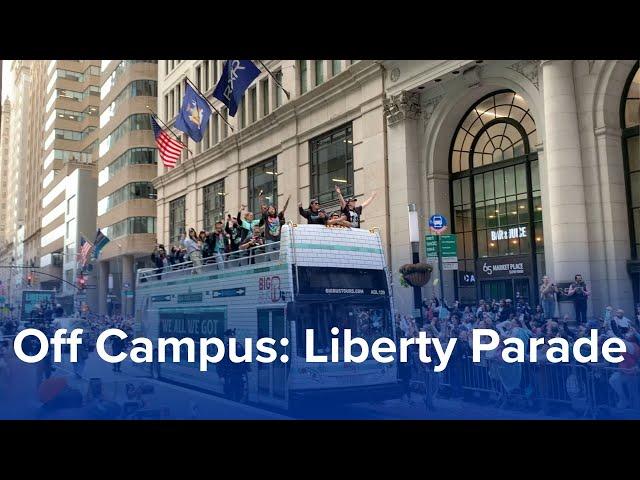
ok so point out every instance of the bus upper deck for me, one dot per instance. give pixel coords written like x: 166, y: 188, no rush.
x: 308, y: 250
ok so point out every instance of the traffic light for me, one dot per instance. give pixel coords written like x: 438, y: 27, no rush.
x: 29, y: 279
x: 82, y: 282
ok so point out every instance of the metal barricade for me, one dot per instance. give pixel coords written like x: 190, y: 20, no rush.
x: 547, y: 388
x: 614, y: 391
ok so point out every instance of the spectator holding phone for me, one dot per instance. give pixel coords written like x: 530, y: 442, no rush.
x: 579, y: 293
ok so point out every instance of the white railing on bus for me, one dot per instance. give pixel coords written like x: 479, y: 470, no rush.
x: 268, y: 252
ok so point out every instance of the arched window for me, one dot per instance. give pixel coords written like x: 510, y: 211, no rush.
x: 630, y: 121
x: 495, y: 199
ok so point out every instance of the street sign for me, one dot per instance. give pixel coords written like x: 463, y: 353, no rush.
x: 437, y: 223
x: 448, y: 248
x: 128, y: 293
x: 431, y: 246
x: 449, y: 266
x: 228, y: 292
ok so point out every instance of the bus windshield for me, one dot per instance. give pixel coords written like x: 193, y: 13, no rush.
x: 369, y: 320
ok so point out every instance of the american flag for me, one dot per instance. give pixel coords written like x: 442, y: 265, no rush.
x: 169, y: 148
x: 85, y: 248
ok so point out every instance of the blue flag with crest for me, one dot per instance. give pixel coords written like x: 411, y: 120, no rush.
x: 194, y: 114
x: 236, y: 77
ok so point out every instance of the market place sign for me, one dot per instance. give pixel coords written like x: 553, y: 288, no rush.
x: 503, y: 267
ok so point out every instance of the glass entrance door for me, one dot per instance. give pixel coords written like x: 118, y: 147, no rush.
x: 497, y: 289
x: 272, y: 377
x: 508, y: 288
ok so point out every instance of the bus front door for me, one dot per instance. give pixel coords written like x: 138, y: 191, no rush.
x: 272, y: 377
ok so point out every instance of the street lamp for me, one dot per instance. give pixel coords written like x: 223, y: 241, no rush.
x: 414, y: 238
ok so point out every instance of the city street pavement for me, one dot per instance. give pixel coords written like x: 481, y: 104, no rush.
x: 175, y: 402
x: 183, y: 403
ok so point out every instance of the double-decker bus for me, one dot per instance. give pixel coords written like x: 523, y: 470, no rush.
x: 316, y: 278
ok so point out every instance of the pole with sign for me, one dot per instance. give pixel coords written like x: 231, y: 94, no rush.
x: 438, y: 225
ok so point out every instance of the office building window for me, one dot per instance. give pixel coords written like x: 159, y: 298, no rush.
x: 206, y: 81
x: 198, y: 77
x: 223, y: 124
x: 133, y: 156
x: 331, y: 157
x: 263, y: 177
x: 278, y: 76
x: 319, y: 68
x: 213, y: 204
x: 264, y: 85
x: 137, y: 121
x: 131, y: 191
x: 242, y: 112
x: 176, y: 220
x: 253, y: 105
x: 130, y: 226
x: 336, y: 67
x: 302, y: 69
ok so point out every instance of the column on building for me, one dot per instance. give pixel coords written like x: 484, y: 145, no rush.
x: 566, y: 193
x: 103, y: 287
x: 128, y: 283
x: 402, y: 112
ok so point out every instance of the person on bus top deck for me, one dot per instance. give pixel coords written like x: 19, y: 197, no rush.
x: 248, y: 220
x: 203, y: 239
x: 235, y: 232
x: 338, y: 219
x: 314, y: 214
x: 349, y: 208
x: 273, y: 222
x: 194, y: 249
x: 255, y: 240
x: 219, y: 244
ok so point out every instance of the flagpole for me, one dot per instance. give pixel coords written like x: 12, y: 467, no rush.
x: 275, y: 79
x: 206, y: 100
x: 169, y: 129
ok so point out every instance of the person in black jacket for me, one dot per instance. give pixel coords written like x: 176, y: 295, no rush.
x: 157, y: 257
x: 314, y: 215
x: 273, y: 222
x: 236, y: 235
x: 117, y: 347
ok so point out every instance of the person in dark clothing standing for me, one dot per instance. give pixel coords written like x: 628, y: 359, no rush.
x: 349, y: 208
x: 158, y: 258
x: 579, y: 293
x: 117, y: 347
x: 236, y: 234
x: 314, y: 215
x: 232, y: 373
x: 272, y: 227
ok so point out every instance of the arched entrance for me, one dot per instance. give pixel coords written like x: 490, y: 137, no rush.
x: 496, y: 204
x: 630, y: 122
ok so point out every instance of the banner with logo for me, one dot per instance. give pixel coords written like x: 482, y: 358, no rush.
x: 503, y: 267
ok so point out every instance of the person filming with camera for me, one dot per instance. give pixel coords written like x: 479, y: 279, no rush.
x: 579, y: 293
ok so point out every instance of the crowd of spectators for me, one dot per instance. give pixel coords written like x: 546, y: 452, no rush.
x: 521, y: 320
